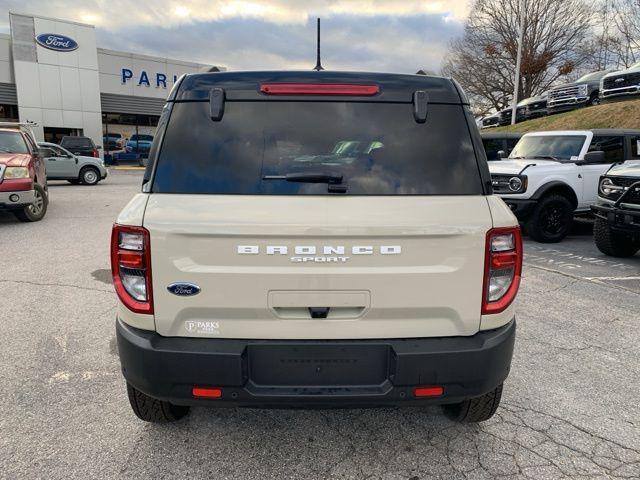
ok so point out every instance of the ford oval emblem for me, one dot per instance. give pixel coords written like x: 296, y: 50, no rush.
x: 59, y: 43
x: 184, y: 289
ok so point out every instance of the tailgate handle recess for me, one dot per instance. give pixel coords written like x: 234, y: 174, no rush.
x: 319, y: 312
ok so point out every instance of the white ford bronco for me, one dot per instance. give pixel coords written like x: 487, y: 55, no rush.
x: 316, y: 239
x: 617, y: 226
x: 550, y: 176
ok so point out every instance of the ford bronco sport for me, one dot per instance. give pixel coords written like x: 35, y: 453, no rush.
x: 315, y: 239
x: 617, y: 227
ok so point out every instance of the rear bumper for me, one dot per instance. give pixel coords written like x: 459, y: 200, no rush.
x: 290, y: 373
x: 16, y: 199
x: 619, y: 218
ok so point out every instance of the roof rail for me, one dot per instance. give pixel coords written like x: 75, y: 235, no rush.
x: 20, y: 126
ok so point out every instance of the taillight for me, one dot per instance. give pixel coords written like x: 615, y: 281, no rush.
x: 502, y: 270
x: 131, y: 267
x: 95, y: 153
x: 319, y: 89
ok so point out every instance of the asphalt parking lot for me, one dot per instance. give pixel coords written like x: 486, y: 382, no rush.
x: 571, y: 406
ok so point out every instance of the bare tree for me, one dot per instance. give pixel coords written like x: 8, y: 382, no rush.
x: 483, y: 60
x: 626, y: 17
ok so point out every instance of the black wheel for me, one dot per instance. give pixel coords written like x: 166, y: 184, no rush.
x: 551, y: 219
x: 89, y: 175
x: 612, y: 243
x: 594, y: 100
x: 36, y: 211
x: 153, y: 410
x: 476, y: 409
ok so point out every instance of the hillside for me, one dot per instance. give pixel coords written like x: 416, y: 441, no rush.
x: 610, y: 115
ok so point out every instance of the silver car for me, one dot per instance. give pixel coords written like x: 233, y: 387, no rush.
x: 61, y: 164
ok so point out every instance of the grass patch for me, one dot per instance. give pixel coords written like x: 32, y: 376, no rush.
x: 609, y: 115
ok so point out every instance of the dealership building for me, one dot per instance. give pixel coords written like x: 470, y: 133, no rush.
x: 52, y: 73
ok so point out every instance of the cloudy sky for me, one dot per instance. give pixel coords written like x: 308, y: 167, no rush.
x: 373, y: 35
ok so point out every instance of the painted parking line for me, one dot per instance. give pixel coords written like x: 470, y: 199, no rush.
x: 127, y: 168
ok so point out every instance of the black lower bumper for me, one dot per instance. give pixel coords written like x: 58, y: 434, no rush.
x: 521, y: 208
x: 618, y: 217
x: 296, y: 373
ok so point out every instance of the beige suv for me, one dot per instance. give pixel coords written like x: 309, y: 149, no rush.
x: 316, y: 239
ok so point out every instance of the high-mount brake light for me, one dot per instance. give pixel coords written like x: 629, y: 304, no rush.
x: 502, y: 270
x: 338, y: 89
x: 131, y: 267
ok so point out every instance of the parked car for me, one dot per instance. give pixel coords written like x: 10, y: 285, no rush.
x: 80, y: 146
x: 504, y: 116
x: 140, y: 144
x: 387, y: 280
x: 582, y: 93
x: 499, y: 145
x: 491, y: 121
x: 621, y: 85
x: 617, y: 227
x: 23, y: 178
x: 550, y: 176
x: 533, y: 107
x: 63, y: 165
x: 113, y: 141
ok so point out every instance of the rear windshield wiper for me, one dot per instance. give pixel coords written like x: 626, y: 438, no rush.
x: 306, y: 178
x: 334, y: 181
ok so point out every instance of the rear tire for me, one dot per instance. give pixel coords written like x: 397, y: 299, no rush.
x: 551, y: 219
x: 153, y: 410
x: 36, y: 211
x: 612, y: 243
x: 476, y: 409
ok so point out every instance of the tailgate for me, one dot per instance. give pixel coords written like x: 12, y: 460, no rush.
x: 318, y: 267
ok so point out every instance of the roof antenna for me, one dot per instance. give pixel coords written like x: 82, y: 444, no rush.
x: 318, y: 66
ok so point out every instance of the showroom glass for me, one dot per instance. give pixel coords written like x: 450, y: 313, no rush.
x: 562, y: 147
x: 12, y: 142
x: 143, y: 138
x: 377, y: 148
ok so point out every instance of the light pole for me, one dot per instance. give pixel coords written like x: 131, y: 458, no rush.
x: 516, y: 83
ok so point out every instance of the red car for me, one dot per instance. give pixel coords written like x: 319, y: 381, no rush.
x: 23, y: 179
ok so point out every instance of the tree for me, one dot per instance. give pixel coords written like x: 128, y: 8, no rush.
x: 626, y: 17
x: 483, y: 60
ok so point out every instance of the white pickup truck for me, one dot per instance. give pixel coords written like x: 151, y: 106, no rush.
x: 550, y: 176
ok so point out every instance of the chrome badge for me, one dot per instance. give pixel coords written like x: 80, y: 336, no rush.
x: 184, y: 289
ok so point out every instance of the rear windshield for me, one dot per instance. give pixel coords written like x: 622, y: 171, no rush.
x: 12, y: 142
x: 374, y: 148
x: 77, y: 142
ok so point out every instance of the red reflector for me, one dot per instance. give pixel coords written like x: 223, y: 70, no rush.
x: 428, y: 391
x: 206, y: 392
x: 319, y: 89
x: 130, y: 259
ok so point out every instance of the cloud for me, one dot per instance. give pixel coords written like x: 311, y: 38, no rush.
x: 381, y: 43
x: 180, y: 12
x: 370, y: 35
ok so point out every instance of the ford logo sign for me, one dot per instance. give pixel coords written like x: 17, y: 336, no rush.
x: 184, y: 289
x: 59, y: 43
x: 618, y: 80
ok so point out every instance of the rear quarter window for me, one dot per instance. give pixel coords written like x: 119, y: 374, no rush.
x: 377, y: 149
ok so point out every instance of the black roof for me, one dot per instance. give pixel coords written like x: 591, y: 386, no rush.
x: 246, y: 85
x: 614, y: 131
x: 496, y: 135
